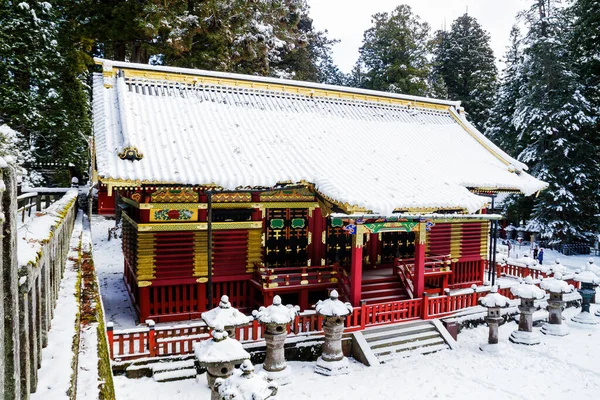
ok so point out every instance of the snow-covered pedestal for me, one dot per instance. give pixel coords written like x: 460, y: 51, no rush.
x: 332, y: 360
x: 556, y: 287
x: 528, y: 293
x: 225, y: 315
x: 494, y: 301
x: 589, y: 282
x: 276, y: 318
x: 219, y: 355
x: 558, y: 268
x: 244, y: 384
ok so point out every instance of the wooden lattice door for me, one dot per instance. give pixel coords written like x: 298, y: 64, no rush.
x: 397, y: 244
x: 339, y: 245
x: 286, y: 237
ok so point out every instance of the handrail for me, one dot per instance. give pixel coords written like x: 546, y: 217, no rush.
x: 270, y: 278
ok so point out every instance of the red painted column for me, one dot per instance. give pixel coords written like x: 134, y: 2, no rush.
x: 356, y: 267
x: 144, y: 303
x: 419, y: 271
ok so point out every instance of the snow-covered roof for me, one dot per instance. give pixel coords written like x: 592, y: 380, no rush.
x: 276, y: 313
x: 374, y: 151
x: 587, y: 276
x: 224, y: 314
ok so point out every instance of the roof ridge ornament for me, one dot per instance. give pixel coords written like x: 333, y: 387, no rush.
x: 130, y: 153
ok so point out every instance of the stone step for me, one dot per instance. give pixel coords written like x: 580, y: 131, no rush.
x: 367, y: 287
x: 418, y: 351
x: 177, y: 375
x: 396, y: 340
x: 172, y: 366
x: 380, y: 279
x: 395, y: 330
x: 419, y: 344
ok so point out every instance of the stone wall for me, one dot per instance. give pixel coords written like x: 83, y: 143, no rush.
x: 32, y: 263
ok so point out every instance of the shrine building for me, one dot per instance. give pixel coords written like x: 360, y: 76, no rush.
x: 255, y: 187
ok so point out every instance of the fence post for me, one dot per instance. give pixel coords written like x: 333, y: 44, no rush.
x: 151, y: 337
x: 363, y: 314
x: 424, y: 311
x: 110, y: 336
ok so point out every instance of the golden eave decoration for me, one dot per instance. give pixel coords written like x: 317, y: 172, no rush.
x: 130, y: 153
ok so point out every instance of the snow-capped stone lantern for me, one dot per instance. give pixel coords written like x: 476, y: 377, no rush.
x: 510, y: 231
x: 593, y: 267
x: 494, y: 301
x: 589, y: 282
x: 219, y: 355
x: 333, y: 311
x: 225, y: 315
x: 557, y: 267
x: 244, y: 384
x: 276, y: 318
x: 557, y: 288
x: 528, y: 293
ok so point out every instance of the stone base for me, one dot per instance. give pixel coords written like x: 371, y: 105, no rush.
x: 586, y: 318
x: 528, y: 338
x: 283, y: 377
x: 331, y: 368
x: 492, y: 348
x: 597, y: 314
x: 555, y: 329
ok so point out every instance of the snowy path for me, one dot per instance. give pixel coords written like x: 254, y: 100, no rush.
x: 108, y: 260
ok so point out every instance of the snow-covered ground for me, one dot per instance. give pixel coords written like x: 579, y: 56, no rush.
x: 559, y: 368
x: 108, y: 260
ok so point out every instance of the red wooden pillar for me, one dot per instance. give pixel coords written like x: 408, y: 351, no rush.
x: 373, y: 249
x: 144, y: 303
x: 316, y: 226
x: 419, y: 271
x: 356, y: 267
x: 201, y: 300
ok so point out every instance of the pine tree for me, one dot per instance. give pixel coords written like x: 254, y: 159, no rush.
x: 500, y: 127
x: 394, y: 53
x: 549, y: 117
x: 465, y: 61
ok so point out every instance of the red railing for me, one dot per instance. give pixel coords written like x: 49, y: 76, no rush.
x: 519, y: 271
x: 288, y: 277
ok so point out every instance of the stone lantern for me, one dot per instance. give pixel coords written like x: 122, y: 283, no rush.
x: 244, y: 384
x: 557, y: 267
x: 557, y: 288
x: 593, y: 267
x: 528, y: 293
x: 333, y: 311
x: 589, y: 282
x: 510, y: 231
x: 225, y: 315
x: 494, y: 301
x: 219, y: 355
x: 276, y: 318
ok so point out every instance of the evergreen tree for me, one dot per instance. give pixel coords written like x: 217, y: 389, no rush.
x: 42, y: 96
x: 549, y: 116
x: 394, y: 53
x: 500, y: 127
x: 465, y: 62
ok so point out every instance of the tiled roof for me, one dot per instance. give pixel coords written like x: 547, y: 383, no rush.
x: 378, y: 156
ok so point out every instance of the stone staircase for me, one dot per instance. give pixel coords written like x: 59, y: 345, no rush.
x: 381, y: 344
x: 165, y: 370
x: 382, y: 289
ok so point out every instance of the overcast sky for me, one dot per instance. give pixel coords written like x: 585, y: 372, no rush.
x: 347, y: 20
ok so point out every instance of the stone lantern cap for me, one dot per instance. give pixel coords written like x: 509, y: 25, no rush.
x: 527, y: 290
x: 225, y: 315
x: 220, y: 349
x: 587, y: 276
x: 556, y: 285
x: 593, y: 267
x: 494, y: 299
x: 557, y: 267
x: 277, y: 313
x: 244, y: 384
x: 332, y: 307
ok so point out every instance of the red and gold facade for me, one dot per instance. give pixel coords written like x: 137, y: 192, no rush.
x: 271, y: 242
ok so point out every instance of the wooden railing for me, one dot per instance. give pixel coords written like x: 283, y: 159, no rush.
x: 32, y: 200
x: 437, y: 270
x: 520, y: 271
x: 289, y: 277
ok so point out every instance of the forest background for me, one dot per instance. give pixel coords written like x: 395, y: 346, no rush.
x: 542, y: 108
